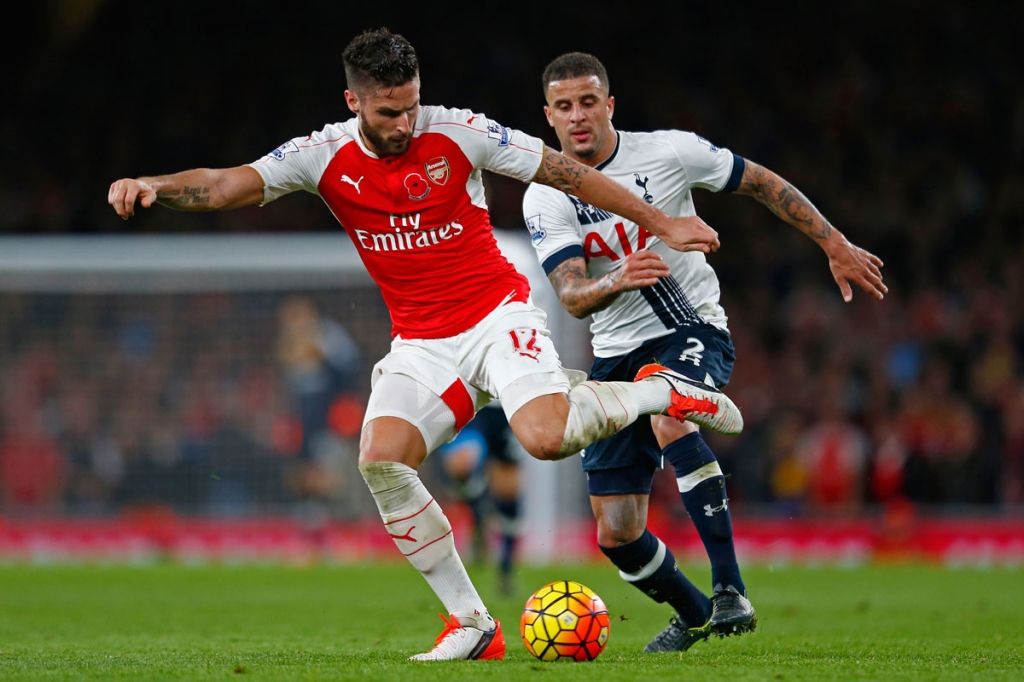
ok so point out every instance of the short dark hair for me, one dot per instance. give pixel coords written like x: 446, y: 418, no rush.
x: 379, y: 58
x: 575, y: 65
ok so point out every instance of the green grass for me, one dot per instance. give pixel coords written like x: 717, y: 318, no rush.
x: 361, y: 622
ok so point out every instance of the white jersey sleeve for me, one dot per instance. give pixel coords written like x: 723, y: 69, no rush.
x: 707, y: 166
x: 486, y: 143
x: 554, y: 228
x: 299, y: 163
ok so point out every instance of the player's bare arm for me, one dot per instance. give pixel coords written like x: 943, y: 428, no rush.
x: 848, y: 262
x: 583, y: 296
x: 200, y: 189
x: 572, y: 177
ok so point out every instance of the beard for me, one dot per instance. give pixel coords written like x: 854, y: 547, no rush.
x: 382, y: 145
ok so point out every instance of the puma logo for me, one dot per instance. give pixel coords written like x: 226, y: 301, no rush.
x: 354, y: 183
x: 408, y: 534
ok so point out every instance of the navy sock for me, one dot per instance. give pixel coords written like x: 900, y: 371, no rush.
x: 662, y: 580
x: 707, y: 503
x: 508, y: 516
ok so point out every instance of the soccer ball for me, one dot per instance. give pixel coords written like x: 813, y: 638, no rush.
x: 565, y: 620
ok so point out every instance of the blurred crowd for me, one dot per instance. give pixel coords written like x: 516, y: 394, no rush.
x: 902, y: 122
x: 224, y: 404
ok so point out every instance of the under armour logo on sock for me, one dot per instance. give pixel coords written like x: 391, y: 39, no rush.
x: 710, y: 511
x: 408, y: 534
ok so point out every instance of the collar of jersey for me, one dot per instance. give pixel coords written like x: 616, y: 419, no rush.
x: 604, y: 164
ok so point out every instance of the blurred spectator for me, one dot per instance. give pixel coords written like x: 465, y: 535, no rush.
x: 321, y: 364
x: 833, y: 453
x: 482, y: 467
x: 94, y: 462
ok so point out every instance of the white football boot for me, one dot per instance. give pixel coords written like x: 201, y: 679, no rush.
x: 693, y: 401
x: 466, y: 642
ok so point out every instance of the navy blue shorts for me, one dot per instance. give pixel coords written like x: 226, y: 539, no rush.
x: 698, y: 352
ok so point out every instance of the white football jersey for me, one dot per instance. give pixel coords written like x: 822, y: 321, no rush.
x: 661, y: 167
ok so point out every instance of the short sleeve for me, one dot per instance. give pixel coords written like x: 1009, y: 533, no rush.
x: 554, y: 231
x: 299, y: 163
x: 490, y: 145
x: 707, y: 166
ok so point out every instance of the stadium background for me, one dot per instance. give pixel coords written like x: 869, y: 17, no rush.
x: 147, y: 412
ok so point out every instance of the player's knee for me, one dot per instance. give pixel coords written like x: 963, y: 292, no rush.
x: 543, y: 444
x: 547, y: 449
x: 621, y: 519
x: 374, y: 455
x: 392, y: 440
x: 540, y: 436
x: 668, y: 430
x: 615, y: 536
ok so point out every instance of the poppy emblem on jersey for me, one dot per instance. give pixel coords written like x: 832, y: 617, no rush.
x: 437, y: 170
x: 417, y: 186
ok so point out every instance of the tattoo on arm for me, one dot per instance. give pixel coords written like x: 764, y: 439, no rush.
x: 187, y: 196
x: 560, y: 172
x: 579, y: 294
x: 784, y: 200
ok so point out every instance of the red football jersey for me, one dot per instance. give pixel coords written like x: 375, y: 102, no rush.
x: 419, y: 220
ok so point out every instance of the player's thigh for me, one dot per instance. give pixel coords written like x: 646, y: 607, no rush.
x: 512, y: 357
x: 411, y: 393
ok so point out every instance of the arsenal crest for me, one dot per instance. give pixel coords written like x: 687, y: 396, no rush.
x: 437, y: 170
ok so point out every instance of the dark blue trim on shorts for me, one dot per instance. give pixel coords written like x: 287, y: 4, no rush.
x: 635, y: 479
x: 562, y: 255
x: 738, y: 164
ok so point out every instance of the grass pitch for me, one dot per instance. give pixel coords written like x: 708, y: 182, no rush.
x: 362, y: 622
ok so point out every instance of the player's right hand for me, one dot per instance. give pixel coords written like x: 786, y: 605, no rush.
x: 124, y: 193
x: 689, y: 234
x: 640, y: 269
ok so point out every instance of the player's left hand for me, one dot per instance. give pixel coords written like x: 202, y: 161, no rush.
x: 850, y: 263
x: 688, y: 234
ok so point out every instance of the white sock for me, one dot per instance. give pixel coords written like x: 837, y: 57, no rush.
x: 597, y: 409
x: 423, y: 534
x: 653, y: 395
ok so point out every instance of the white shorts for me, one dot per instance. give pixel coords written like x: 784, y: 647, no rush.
x: 439, y: 384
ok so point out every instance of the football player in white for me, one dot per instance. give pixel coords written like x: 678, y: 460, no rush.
x: 651, y: 304
x: 404, y: 181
